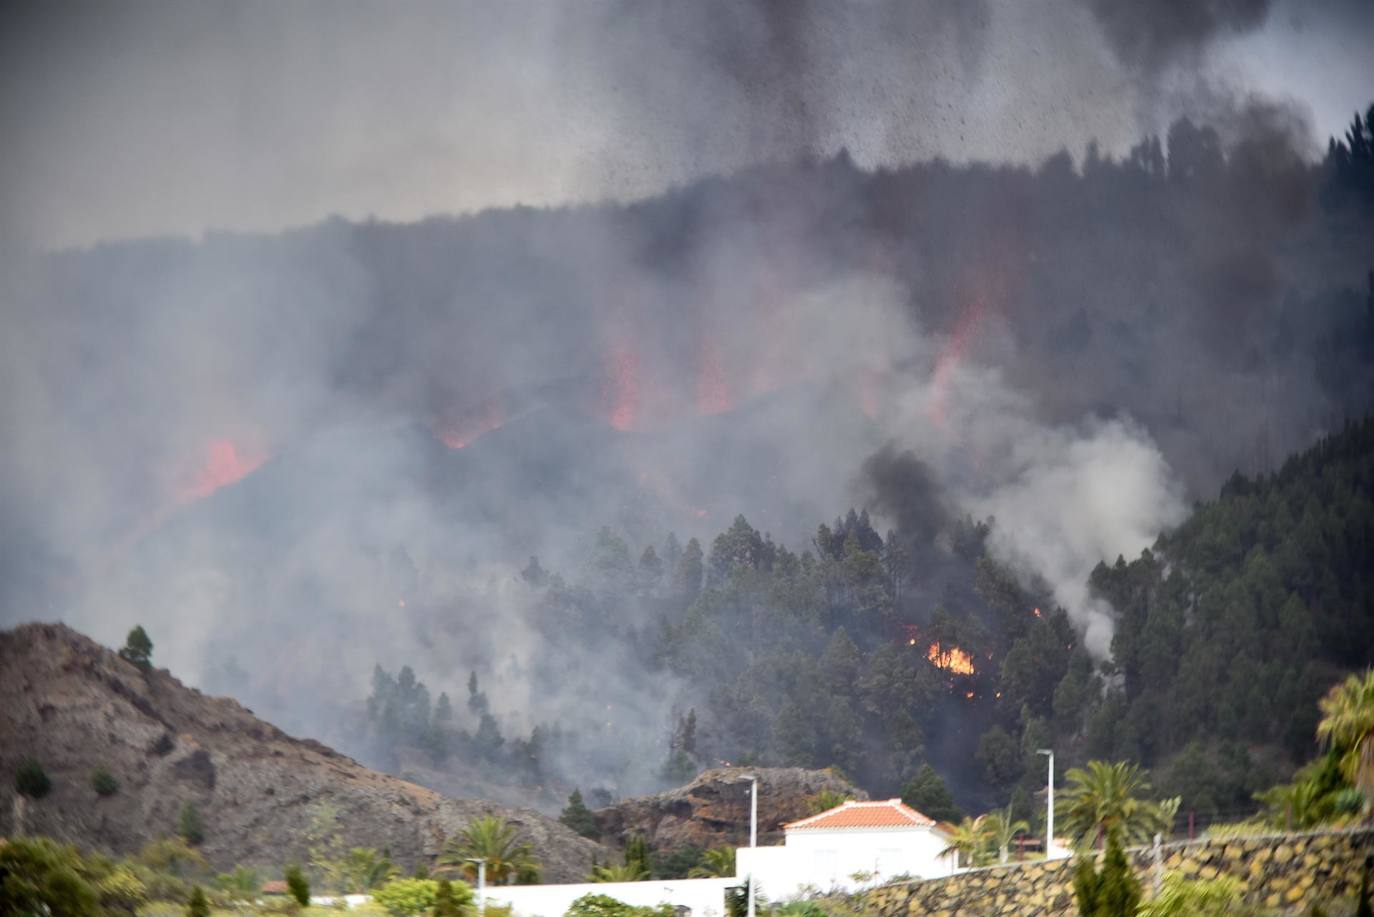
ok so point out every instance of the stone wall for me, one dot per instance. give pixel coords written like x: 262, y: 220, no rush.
x: 1287, y: 872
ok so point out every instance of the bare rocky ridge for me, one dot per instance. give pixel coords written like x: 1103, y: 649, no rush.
x: 76, y: 706
x: 713, y: 809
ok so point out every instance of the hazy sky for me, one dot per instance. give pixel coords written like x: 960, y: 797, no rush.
x: 137, y: 118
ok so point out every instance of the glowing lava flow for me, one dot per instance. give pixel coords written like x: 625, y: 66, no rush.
x: 713, y: 394
x: 952, y: 660
x: 224, y: 464
x: 459, y: 435
x: 621, y: 389
x: 951, y: 354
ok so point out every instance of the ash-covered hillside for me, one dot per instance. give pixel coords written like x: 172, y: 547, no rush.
x: 76, y: 707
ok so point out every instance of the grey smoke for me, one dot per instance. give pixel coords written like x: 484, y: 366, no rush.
x: 1154, y: 33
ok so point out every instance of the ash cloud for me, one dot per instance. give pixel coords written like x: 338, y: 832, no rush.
x: 1151, y: 35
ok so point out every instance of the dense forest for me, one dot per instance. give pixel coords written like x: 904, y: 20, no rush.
x: 884, y: 654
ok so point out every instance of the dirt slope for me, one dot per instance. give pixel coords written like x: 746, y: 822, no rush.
x: 75, y: 706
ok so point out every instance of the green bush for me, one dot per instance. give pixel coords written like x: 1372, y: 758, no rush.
x: 31, y: 780
x: 606, y: 906
x: 403, y: 897
x: 1180, y: 897
x: 197, y: 906
x: 445, y: 901
x: 298, y: 885
x: 103, y: 782
x: 39, y: 876
x: 190, y: 827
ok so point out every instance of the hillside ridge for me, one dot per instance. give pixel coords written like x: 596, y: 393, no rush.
x: 76, y: 706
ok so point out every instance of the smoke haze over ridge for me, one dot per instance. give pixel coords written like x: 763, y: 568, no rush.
x: 161, y: 118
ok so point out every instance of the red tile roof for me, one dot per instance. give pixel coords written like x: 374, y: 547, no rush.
x: 886, y: 813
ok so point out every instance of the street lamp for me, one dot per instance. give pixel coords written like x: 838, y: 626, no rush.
x: 753, y: 832
x: 1049, y: 801
x: 481, y: 884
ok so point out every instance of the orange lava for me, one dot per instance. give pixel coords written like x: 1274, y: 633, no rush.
x: 952, y: 659
x: 225, y: 462
x: 460, y: 434
x: 713, y: 393
x: 951, y: 354
x: 621, y: 389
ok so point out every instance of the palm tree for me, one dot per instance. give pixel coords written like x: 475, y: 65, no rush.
x: 1347, y: 725
x: 718, y: 862
x: 1105, y: 797
x: 364, y: 869
x: 492, y: 839
x: 968, y: 839
x: 630, y: 872
x: 1001, y: 830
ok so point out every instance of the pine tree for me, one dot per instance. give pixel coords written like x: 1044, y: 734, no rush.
x: 578, y: 817
x: 1113, y: 891
x: 138, y: 648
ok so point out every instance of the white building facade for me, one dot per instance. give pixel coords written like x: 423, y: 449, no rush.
x: 855, y: 845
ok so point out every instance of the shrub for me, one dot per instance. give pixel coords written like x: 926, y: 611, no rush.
x: 103, y: 782
x: 189, y: 826
x: 121, y: 890
x: 197, y: 906
x: 31, y: 780
x: 1181, y: 897
x: 43, y: 877
x: 606, y: 906
x: 298, y: 885
x: 445, y: 901
x: 402, y: 897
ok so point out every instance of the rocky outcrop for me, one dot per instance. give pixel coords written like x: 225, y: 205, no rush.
x: 76, y: 706
x: 1281, y: 873
x: 713, y: 809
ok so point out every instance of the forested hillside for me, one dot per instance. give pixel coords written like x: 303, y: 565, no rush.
x: 880, y: 653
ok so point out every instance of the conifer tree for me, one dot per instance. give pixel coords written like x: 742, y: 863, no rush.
x: 578, y: 817
x: 138, y: 648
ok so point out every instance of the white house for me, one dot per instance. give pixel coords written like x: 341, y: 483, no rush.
x: 855, y: 844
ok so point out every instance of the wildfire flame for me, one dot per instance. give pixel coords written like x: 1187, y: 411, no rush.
x: 952, y: 660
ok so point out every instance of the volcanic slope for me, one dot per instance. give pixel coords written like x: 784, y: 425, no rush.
x: 76, y: 706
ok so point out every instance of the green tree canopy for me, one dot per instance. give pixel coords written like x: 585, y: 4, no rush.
x: 138, y: 648
x: 31, y: 780
x: 1347, y: 725
x: 578, y: 817
x: 926, y: 793
x: 1106, y: 798
x: 493, y: 839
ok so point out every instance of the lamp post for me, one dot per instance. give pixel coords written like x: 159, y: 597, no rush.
x: 753, y: 832
x: 1049, y: 801
x: 481, y: 885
